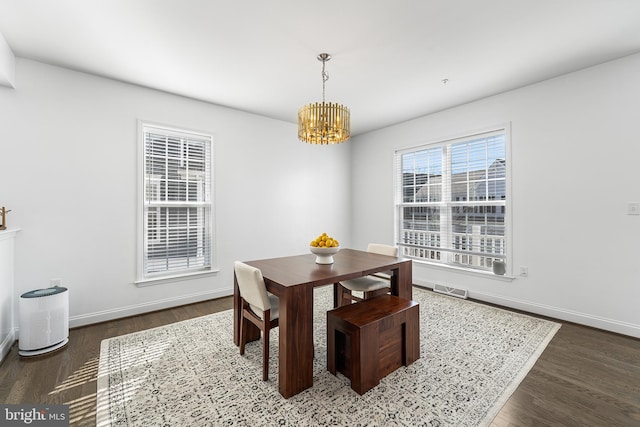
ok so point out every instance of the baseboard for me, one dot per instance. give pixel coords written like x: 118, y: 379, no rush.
x: 7, y: 343
x: 598, y: 322
x: 133, y: 310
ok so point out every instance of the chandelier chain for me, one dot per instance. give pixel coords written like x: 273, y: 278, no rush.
x: 325, y: 77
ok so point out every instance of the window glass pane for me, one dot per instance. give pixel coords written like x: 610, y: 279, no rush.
x: 422, y: 176
x: 497, y: 190
x: 478, y: 220
x: 475, y: 164
x: 174, y: 148
x: 423, y: 218
x: 184, y: 241
x: 421, y: 232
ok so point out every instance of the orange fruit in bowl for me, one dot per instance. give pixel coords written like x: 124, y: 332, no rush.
x: 324, y: 241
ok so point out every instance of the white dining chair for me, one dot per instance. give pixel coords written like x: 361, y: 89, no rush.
x: 370, y: 286
x: 258, y: 306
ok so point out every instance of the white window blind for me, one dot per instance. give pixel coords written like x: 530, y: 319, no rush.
x: 451, y: 201
x: 177, y: 206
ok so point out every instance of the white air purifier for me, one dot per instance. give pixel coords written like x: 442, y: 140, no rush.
x: 44, y: 321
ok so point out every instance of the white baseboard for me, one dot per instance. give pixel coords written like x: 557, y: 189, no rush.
x: 7, y: 343
x: 607, y: 324
x: 133, y: 310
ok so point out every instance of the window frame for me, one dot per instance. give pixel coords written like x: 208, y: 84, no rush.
x: 142, y: 277
x: 447, y: 253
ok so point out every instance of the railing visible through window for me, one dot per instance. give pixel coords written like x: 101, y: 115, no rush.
x: 451, y: 200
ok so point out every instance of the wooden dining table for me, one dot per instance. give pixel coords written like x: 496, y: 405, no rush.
x: 292, y: 279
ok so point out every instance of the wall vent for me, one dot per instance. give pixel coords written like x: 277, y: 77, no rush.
x: 449, y: 290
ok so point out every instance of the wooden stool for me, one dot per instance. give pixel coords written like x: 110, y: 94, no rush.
x: 368, y: 340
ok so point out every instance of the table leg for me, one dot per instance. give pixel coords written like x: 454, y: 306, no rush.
x: 402, y: 280
x: 336, y: 289
x: 295, y: 370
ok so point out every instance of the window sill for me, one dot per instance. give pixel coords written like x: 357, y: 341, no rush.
x: 175, y: 278
x: 466, y: 271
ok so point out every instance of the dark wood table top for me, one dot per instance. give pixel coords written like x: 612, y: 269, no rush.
x: 303, y: 270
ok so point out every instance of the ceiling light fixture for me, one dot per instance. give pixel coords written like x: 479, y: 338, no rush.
x: 324, y: 123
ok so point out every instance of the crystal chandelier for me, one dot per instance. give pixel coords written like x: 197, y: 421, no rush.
x: 324, y: 123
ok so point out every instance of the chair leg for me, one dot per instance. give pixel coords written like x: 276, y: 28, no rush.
x: 377, y: 292
x: 337, y: 297
x: 344, y: 296
x: 265, y: 328
x: 265, y: 351
x: 355, y: 298
x: 243, y: 332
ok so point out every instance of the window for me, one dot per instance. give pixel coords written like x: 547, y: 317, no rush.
x: 176, y: 208
x: 452, y: 203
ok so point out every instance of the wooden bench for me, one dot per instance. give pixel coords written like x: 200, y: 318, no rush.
x: 368, y: 340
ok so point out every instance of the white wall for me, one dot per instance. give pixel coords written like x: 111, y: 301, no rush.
x: 575, y: 152
x: 68, y: 171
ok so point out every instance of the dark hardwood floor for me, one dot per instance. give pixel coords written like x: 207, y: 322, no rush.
x: 585, y: 377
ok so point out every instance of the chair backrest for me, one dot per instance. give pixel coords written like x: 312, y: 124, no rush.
x: 381, y: 249
x: 251, y: 284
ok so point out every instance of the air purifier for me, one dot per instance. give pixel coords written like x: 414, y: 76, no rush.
x: 44, y: 321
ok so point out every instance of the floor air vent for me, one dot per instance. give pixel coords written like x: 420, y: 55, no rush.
x: 448, y: 290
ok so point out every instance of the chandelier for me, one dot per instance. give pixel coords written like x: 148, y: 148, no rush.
x: 324, y: 123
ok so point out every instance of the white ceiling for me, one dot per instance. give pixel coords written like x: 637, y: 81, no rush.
x: 389, y: 56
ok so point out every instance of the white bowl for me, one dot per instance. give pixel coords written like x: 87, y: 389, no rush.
x: 324, y: 255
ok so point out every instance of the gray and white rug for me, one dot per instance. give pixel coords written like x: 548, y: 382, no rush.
x: 191, y: 374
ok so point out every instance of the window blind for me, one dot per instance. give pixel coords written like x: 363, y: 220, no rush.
x: 451, y: 201
x: 177, y: 226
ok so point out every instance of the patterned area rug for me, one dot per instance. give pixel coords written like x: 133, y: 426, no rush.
x: 191, y: 374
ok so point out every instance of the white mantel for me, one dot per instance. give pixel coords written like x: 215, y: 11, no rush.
x: 7, y: 304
